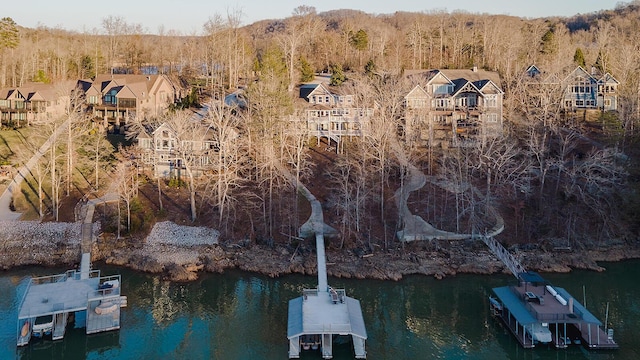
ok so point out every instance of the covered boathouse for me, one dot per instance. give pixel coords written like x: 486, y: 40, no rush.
x: 537, y: 312
x: 56, y: 297
x: 322, y: 313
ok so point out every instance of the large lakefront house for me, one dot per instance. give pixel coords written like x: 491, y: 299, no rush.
x: 453, y: 108
x: 581, y: 89
x: 34, y: 103
x: 331, y: 113
x: 110, y: 98
x: 116, y: 98
x: 165, y: 150
x: 445, y: 108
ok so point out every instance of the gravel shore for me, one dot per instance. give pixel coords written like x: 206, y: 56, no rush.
x: 180, y: 253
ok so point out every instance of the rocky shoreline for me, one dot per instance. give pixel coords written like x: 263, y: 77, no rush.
x: 183, y: 260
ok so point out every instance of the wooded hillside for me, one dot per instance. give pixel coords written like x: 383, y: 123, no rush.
x: 560, y: 179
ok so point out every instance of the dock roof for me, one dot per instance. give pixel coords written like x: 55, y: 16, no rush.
x: 317, y: 314
x: 551, y: 311
x: 515, y: 305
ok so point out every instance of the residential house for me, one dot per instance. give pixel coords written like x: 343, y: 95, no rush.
x: 453, y: 108
x: 164, y: 151
x: 582, y: 90
x: 332, y: 114
x: 34, y: 103
x: 586, y: 90
x: 118, y: 97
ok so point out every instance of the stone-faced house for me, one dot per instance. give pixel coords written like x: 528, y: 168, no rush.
x: 453, y: 108
x: 118, y: 97
x: 34, y: 103
x: 331, y: 113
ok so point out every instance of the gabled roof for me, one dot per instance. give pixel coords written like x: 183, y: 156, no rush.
x: 307, y: 89
x: 92, y: 90
x: 488, y: 87
x: 321, y: 89
x: 438, y: 77
x: 608, y: 79
x: 533, y: 71
x: 140, y: 85
x: 35, y: 96
x: 445, y: 76
x: 463, y: 85
x: 417, y: 93
x: 15, y: 94
x: 126, y: 93
x: 163, y: 126
x: 579, y: 72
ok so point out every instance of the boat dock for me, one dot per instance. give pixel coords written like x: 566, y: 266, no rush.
x: 49, y: 301
x: 58, y: 296
x: 323, y: 313
x: 320, y: 314
x: 537, y: 312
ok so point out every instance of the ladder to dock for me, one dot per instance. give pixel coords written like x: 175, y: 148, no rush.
x: 505, y: 256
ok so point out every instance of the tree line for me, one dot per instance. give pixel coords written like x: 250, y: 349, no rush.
x: 540, y: 171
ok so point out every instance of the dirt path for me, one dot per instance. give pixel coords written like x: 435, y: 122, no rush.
x: 14, y: 187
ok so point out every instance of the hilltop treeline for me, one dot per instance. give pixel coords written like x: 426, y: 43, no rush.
x: 555, y: 175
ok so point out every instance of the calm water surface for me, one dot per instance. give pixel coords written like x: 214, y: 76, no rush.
x: 244, y: 316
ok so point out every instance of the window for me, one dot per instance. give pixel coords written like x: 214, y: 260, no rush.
x: 440, y: 119
x: 580, y: 103
x: 441, y: 103
x: 93, y: 99
x: 417, y: 103
x: 491, y: 101
x: 607, y: 102
x: 442, y: 89
x: 492, y: 118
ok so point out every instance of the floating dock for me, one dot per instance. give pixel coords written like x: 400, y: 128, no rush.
x: 320, y: 314
x: 55, y: 297
x: 537, y: 312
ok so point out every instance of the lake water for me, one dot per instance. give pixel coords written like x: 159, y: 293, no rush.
x: 244, y: 316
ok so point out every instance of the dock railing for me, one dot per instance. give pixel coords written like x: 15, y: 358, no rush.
x: 106, y: 292
x: 575, y: 316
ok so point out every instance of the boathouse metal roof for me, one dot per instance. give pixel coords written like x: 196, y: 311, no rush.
x: 577, y: 307
x: 317, y: 314
x: 518, y: 309
x: 515, y: 305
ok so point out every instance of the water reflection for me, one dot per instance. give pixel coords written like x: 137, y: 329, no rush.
x: 241, y: 316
